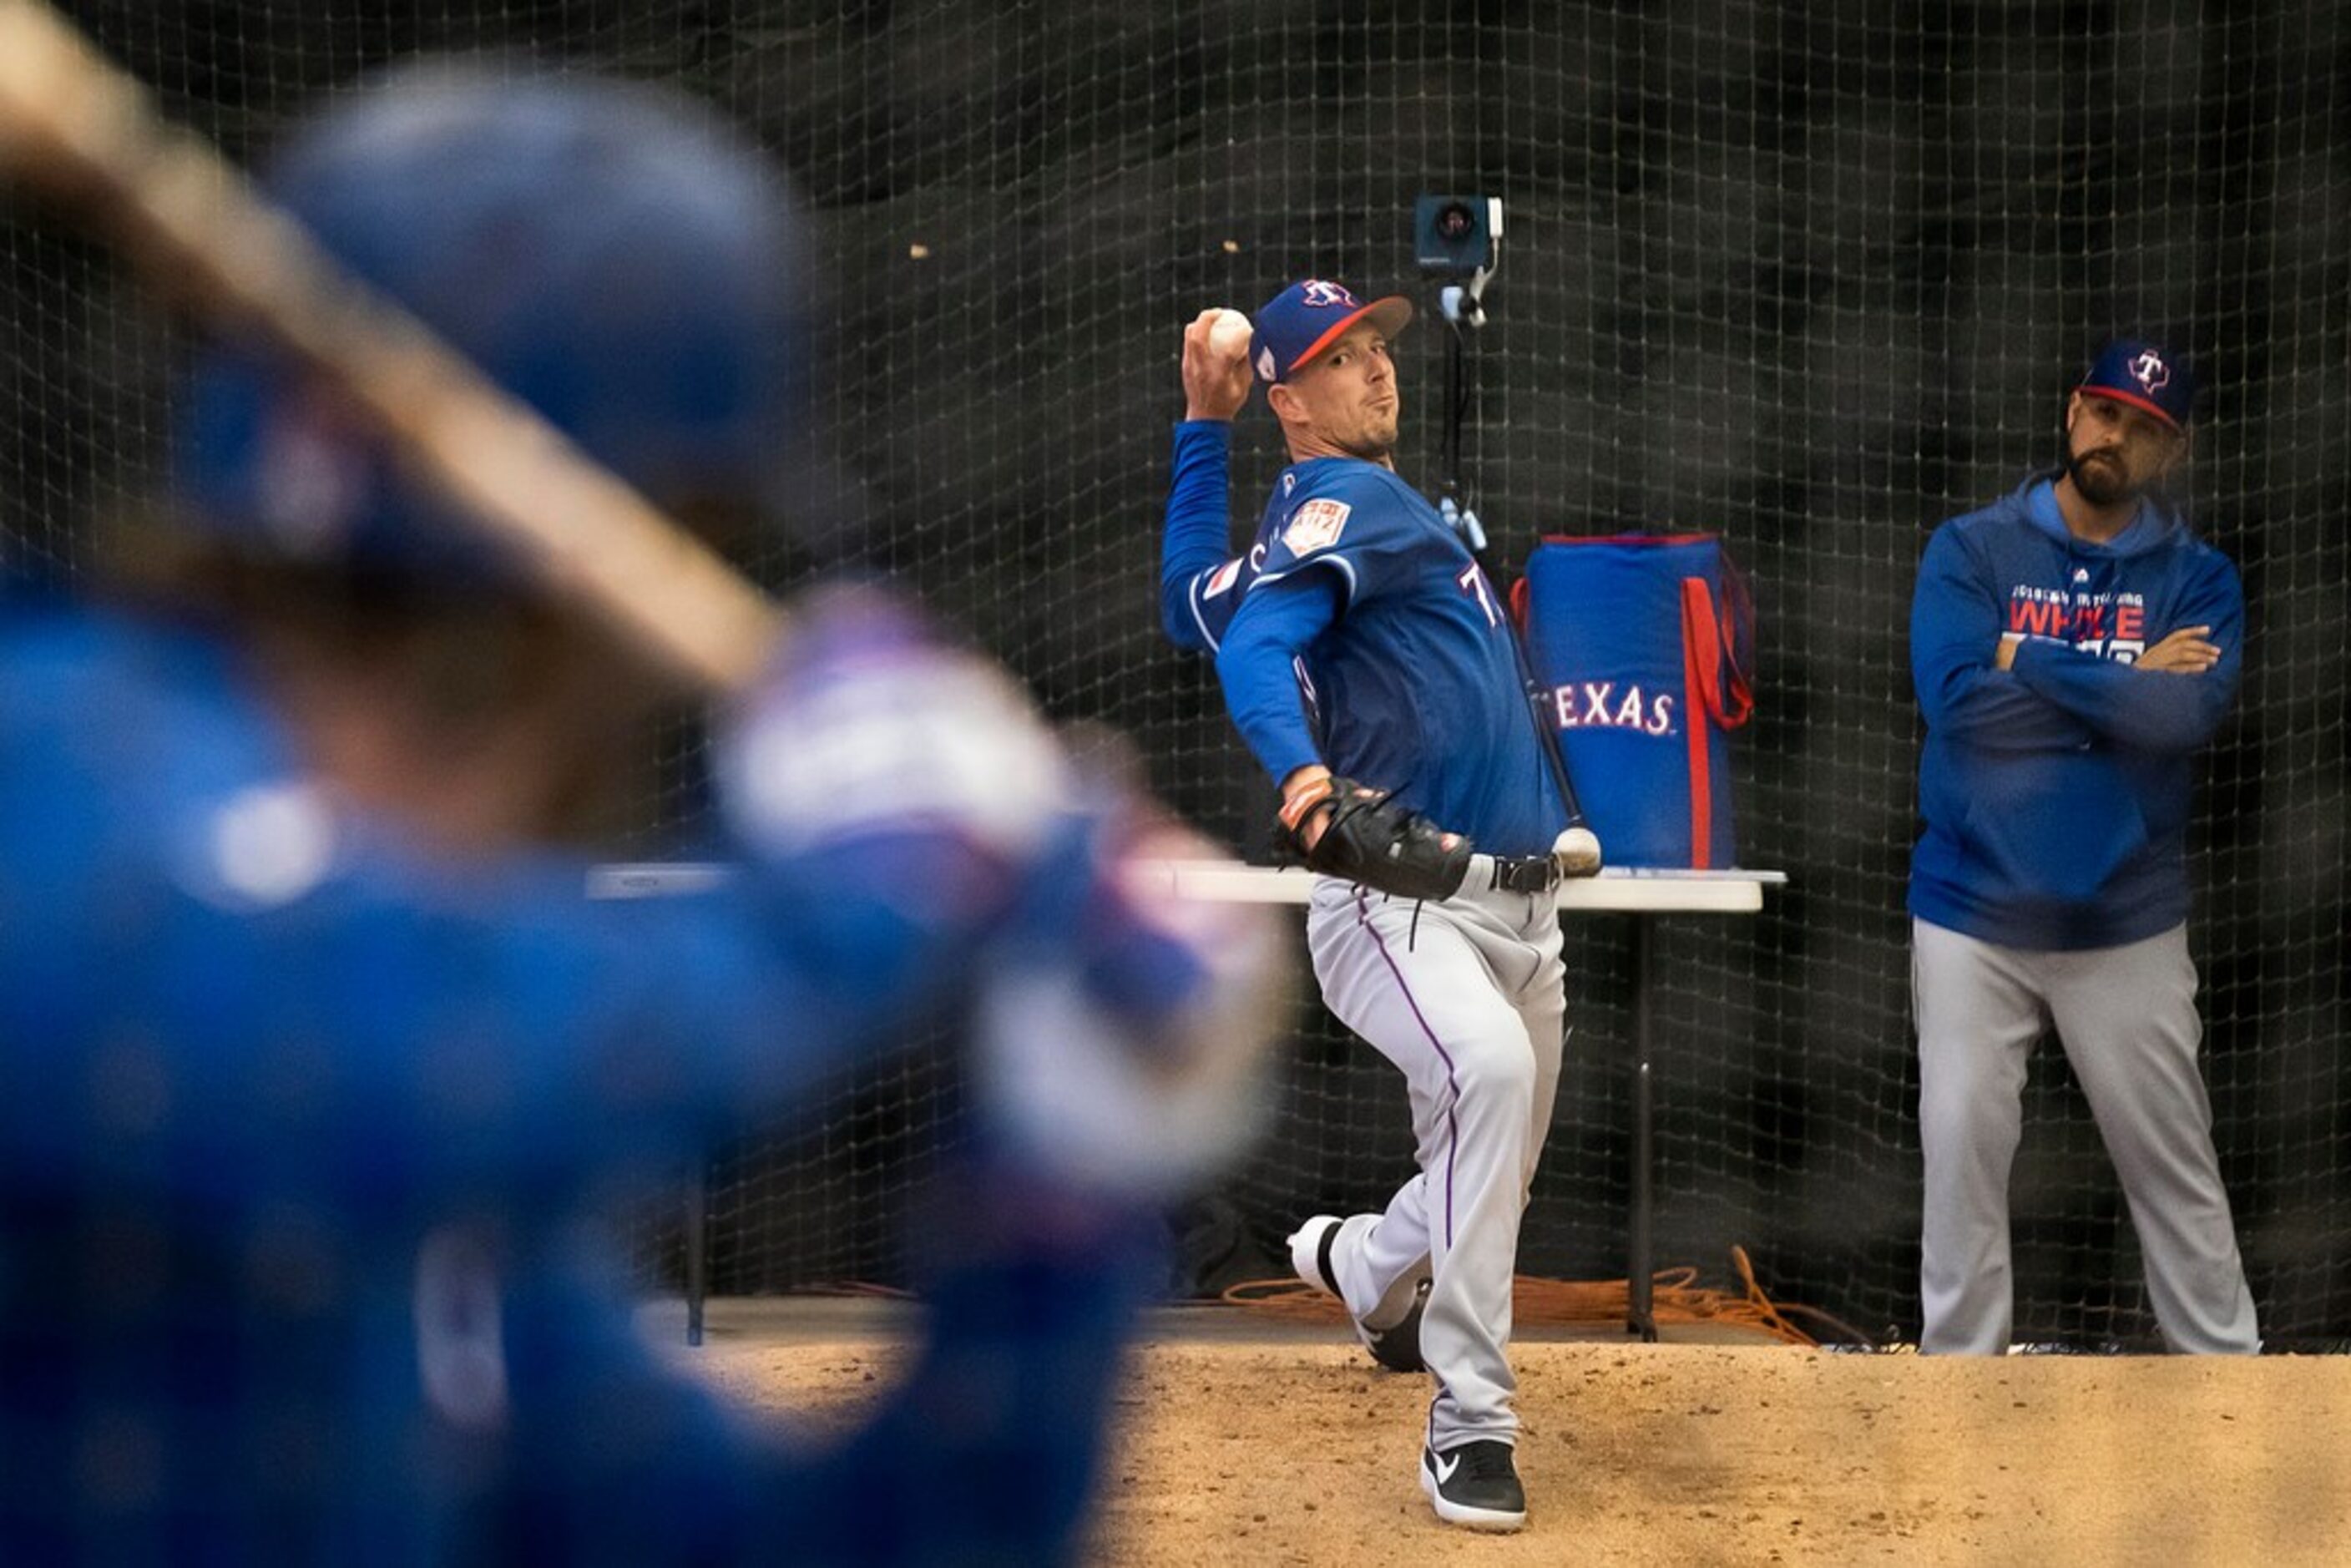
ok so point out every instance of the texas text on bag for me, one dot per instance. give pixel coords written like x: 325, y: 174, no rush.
x: 1640, y: 647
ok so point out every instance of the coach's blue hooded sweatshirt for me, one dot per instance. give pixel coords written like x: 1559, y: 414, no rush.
x: 2056, y: 793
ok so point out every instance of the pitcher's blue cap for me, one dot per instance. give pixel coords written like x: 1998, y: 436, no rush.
x: 2146, y: 375
x: 1310, y: 316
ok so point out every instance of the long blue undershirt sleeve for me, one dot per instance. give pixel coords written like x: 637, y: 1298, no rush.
x: 1276, y: 623
x: 1196, y: 533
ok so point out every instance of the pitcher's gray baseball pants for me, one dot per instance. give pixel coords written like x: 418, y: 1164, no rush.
x: 1467, y: 997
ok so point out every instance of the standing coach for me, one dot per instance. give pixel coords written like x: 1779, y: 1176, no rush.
x: 2073, y: 647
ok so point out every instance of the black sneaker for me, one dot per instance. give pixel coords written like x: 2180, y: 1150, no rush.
x: 1475, y: 1485
x: 1396, y: 1347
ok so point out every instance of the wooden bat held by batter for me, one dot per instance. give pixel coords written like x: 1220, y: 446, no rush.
x: 82, y: 130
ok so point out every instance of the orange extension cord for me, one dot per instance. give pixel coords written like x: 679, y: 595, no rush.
x: 1676, y: 1298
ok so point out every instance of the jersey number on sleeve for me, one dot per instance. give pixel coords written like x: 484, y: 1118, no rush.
x: 1473, y: 582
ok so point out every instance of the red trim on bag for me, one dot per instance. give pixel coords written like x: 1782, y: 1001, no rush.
x: 1700, y: 669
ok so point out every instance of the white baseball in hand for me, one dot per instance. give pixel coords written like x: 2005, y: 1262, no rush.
x: 1577, y: 851
x: 1228, y: 335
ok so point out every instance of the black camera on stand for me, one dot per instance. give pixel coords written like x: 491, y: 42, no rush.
x: 1457, y: 238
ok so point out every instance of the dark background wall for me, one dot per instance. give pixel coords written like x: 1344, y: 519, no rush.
x: 1811, y: 277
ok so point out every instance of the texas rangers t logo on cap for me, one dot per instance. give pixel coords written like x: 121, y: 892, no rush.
x: 1305, y: 318
x: 2146, y: 374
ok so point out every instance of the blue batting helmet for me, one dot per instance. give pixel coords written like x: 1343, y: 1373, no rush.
x: 605, y: 253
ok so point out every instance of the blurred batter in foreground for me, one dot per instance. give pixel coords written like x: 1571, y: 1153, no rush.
x: 314, y: 1056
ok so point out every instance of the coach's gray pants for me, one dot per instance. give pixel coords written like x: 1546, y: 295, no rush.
x: 2126, y: 1018
x: 1467, y: 997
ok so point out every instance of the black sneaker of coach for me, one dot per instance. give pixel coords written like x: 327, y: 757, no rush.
x: 1476, y: 1485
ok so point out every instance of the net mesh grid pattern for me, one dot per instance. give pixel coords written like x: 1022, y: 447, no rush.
x: 1813, y: 278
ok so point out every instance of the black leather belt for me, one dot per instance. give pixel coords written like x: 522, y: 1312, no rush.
x: 1525, y: 874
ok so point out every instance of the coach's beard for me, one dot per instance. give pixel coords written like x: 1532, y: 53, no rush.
x: 2099, y: 477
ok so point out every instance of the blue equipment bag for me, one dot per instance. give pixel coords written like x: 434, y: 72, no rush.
x: 1640, y: 647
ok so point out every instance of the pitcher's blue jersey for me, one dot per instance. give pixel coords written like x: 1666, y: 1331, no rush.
x: 1415, y: 687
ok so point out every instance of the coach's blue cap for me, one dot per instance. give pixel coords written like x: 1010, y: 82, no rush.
x: 2146, y: 375
x: 1310, y: 316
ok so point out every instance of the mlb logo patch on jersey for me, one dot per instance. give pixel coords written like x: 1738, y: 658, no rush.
x: 1315, y: 524
x: 1223, y: 578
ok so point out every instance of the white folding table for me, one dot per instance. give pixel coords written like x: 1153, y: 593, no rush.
x: 1643, y: 893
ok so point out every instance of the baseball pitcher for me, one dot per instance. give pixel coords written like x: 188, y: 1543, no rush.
x: 1366, y: 659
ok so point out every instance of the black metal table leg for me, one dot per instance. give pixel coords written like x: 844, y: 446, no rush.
x: 1640, y: 1316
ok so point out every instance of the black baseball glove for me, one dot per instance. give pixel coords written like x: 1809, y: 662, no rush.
x: 1368, y: 838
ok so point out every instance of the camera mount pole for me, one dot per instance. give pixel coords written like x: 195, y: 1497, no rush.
x: 1464, y: 313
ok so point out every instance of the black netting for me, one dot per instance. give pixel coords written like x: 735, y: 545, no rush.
x: 1810, y: 277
